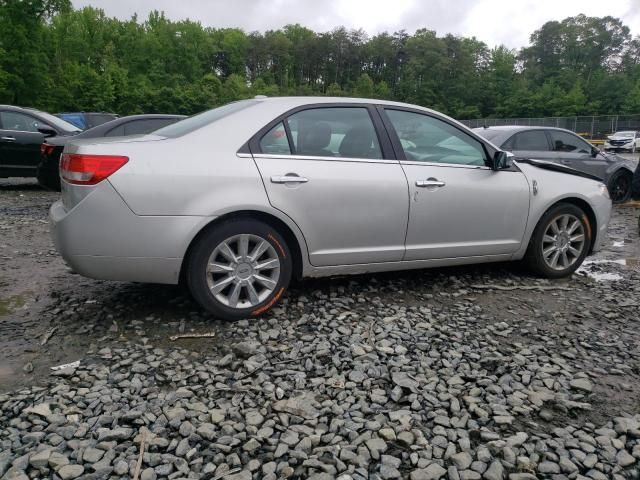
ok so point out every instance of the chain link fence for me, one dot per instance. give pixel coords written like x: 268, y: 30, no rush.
x: 595, y: 127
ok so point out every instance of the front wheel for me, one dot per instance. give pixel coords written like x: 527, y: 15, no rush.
x: 239, y: 269
x: 560, y: 242
x: 620, y: 186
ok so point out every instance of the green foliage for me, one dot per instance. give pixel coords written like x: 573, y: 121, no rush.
x: 59, y: 58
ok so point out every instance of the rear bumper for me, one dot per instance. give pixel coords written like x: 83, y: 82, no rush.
x: 102, y: 238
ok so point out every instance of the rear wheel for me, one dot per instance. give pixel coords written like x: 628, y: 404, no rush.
x: 239, y: 269
x: 48, y: 180
x: 560, y: 242
x: 620, y: 186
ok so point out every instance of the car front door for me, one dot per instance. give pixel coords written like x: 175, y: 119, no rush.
x: 573, y: 151
x: 19, y: 143
x: 459, y: 207
x: 328, y: 170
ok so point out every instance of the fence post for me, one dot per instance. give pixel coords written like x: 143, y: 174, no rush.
x: 575, y: 125
x: 593, y: 120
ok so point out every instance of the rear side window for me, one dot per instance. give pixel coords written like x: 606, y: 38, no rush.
x: 275, y: 141
x: 203, y: 119
x: 565, y: 142
x: 342, y: 132
x: 533, y: 140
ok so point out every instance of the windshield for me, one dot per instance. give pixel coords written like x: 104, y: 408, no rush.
x: 58, y: 122
x: 625, y: 134
x: 190, y: 124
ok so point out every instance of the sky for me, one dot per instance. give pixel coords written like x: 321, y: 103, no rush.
x: 508, y: 22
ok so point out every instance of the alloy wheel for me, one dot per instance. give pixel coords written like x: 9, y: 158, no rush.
x: 620, y: 188
x: 563, y: 242
x: 242, y: 271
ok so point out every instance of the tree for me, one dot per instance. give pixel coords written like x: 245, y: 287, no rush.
x: 364, y: 87
x: 59, y: 58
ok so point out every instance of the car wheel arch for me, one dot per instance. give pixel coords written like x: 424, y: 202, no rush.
x: 297, y: 250
x: 580, y: 203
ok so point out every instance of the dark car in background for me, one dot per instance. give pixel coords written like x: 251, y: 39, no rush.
x: 48, y: 168
x: 22, y: 131
x: 87, y: 120
x: 566, y: 148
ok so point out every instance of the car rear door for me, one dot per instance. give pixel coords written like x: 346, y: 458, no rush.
x: 19, y: 143
x: 573, y: 151
x: 459, y: 207
x: 329, y: 169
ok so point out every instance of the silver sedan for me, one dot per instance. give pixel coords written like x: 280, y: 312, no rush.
x: 239, y: 199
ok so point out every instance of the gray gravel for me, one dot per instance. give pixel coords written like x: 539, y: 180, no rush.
x: 421, y: 375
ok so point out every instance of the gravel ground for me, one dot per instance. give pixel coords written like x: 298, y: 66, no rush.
x: 464, y: 373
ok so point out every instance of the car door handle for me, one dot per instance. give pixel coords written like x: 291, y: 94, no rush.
x: 288, y: 179
x: 430, y: 182
x: 8, y: 139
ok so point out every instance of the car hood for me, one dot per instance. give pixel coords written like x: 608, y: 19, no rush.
x: 556, y: 167
x: 613, y: 137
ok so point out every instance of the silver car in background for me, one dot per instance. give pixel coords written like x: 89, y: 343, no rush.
x: 238, y: 200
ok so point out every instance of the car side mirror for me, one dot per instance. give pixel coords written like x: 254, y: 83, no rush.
x: 595, y: 151
x: 47, y: 131
x: 501, y: 160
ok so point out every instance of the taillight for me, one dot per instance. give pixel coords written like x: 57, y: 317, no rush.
x: 81, y: 169
x: 46, y: 149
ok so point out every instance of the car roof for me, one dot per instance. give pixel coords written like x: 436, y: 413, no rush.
x: 86, y: 113
x: 501, y: 133
x: 520, y: 128
x: 16, y: 108
x: 301, y: 101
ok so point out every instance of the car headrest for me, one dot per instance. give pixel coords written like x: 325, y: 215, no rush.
x: 357, y: 142
x: 315, y: 136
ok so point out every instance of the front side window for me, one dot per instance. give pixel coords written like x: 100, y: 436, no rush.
x: 430, y: 140
x: 533, y: 140
x: 342, y: 132
x: 18, y: 122
x: 565, y: 142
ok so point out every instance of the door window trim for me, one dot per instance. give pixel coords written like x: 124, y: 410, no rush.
x: 322, y: 159
x: 388, y: 154
x: 399, y: 151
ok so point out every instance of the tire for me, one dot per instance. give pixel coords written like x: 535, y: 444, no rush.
x: 231, y: 290
x: 635, y: 184
x: 620, y: 186
x: 50, y: 182
x: 542, y: 263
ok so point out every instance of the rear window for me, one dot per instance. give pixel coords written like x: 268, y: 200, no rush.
x: 488, y: 133
x: 203, y: 119
x: 95, y: 119
x: 57, y: 122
